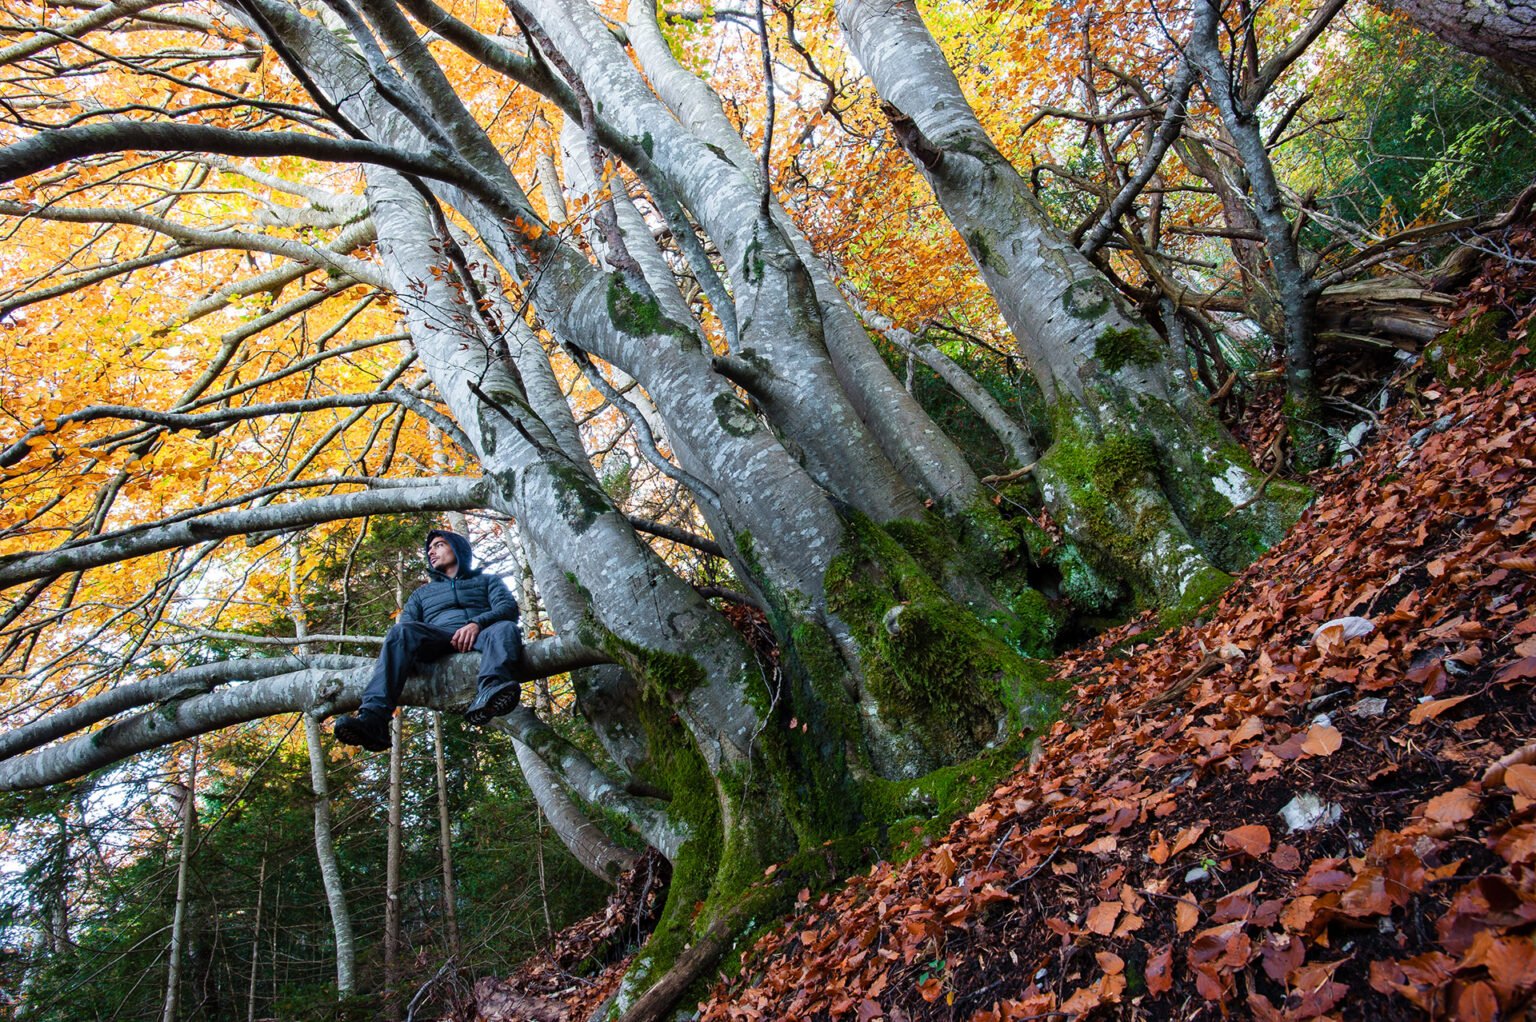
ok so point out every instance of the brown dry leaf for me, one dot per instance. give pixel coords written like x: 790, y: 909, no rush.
x: 1157, y: 848
x: 1521, y: 778
x: 1111, y: 963
x: 1252, y: 839
x: 1322, y: 740
x: 1129, y: 924
x: 1477, y: 1003
x: 1298, y: 914
x: 1160, y: 971
x: 1188, y: 836
x: 944, y: 862
x: 1185, y: 915
x: 1511, y: 964
x: 1248, y: 730
x: 1455, y: 806
x: 1517, y: 671
x: 1516, y: 563
x: 1433, y: 708
x: 1101, y: 918
x: 1286, y: 858
x: 1082, y: 1001
x: 931, y: 989
x: 1494, y: 775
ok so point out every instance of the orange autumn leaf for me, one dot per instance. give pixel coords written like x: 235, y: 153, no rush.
x: 1188, y: 836
x: 1322, y: 740
x: 1186, y: 914
x: 1102, y: 917
x: 1252, y: 839
x: 1111, y: 963
x: 1455, y: 806
x: 1521, y: 778
x: 1434, y: 708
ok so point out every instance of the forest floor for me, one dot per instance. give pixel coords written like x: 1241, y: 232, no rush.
x: 1251, y: 816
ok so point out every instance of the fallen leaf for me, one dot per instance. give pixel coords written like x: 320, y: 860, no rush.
x: 1517, y: 671
x: 1188, y: 836
x: 1286, y: 858
x: 1111, y: 963
x: 1322, y: 740
x: 1433, y: 709
x: 1185, y: 915
x: 1521, y: 778
x: 1159, y: 973
x: 1252, y: 839
x: 1455, y: 806
x: 1477, y: 1003
x: 1101, y: 918
x: 1341, y: 630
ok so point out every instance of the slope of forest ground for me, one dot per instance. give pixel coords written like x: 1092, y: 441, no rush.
x: 1142, y: 865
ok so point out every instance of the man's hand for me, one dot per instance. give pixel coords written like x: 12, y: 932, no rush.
x: 464, y: 639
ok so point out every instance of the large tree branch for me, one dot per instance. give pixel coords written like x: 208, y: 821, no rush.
x: 98, y: 274
x: 323, y: 688
x: 1275, y: 66
x: 1152, y: 159
x: 585, y: 839
x: 206, y: 423
x: 57, y: 723
x: 51, y: 36
x: 591, y: 783
x: 357, y: 269
x: 454, y: 495
x: 52, y: 148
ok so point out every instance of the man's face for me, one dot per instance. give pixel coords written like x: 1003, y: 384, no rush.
x: 440, y: 556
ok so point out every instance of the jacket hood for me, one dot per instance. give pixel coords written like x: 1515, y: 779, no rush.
x: 462, y: 552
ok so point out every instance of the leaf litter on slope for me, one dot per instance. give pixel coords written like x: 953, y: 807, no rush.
x: 1143, y: 869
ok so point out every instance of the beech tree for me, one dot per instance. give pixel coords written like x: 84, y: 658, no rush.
x: 341, y: 280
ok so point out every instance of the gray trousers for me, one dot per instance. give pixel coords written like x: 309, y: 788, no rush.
x: 411, y: 642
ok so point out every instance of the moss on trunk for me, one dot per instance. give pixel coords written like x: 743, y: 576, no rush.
x: 931, y: 669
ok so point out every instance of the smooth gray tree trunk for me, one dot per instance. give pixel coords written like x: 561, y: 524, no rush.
x: 171, y: 1007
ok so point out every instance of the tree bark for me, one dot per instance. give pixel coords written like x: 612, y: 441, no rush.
x: 445, y: 839
x: 1504, y: 31
x: 393, y: 995
x: 171, y: 1007
x: 1298, y: 293
x: 581, y: 836
x: 1168, y: 520
x: 330, y: 868
x: 261, y: 889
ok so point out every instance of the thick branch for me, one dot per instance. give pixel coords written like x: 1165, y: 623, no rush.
x: 590, y: 783
x: 661, y: 530
x: 52, y: 148
x: 585, y: 839
x: 1167, y: 132
x: 326, y: 687
x: 455, y: 495
x: 181, y: 684
x: 357, y: 269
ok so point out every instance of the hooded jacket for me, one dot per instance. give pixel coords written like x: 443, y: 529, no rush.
x: 469, y: 597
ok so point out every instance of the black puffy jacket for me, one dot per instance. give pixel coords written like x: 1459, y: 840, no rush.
x: 469, y: 597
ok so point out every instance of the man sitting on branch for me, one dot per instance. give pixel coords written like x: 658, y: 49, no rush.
x: 460, y: 609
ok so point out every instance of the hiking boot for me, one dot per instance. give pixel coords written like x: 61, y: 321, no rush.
x: 494, y: 699
x: 370, y: 730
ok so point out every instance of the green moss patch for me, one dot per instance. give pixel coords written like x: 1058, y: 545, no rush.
x: 1119, y: 347
x: 935, y: 670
